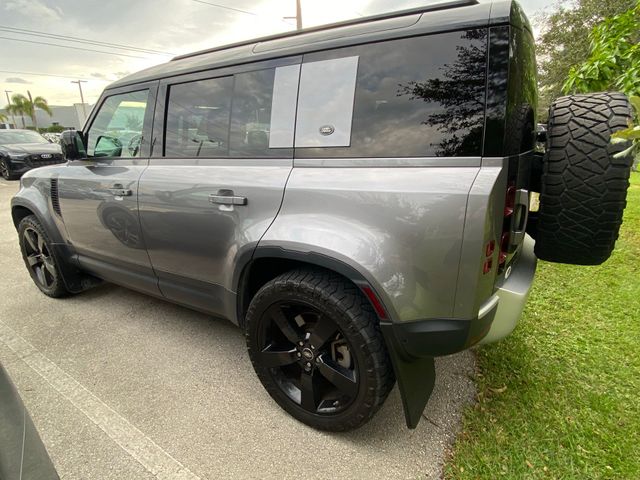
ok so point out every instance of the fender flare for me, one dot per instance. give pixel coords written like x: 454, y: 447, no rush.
x: 74, y: 280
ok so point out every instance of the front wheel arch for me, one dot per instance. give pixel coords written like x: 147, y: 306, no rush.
x: 20, y: 212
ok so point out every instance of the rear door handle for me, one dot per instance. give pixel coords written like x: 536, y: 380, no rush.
x: 226, y: 197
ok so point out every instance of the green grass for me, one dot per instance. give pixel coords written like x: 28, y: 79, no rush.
x: 560, y: 397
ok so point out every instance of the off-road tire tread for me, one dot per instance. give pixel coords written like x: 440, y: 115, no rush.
x: 339, y: 296
x: 583, y: 187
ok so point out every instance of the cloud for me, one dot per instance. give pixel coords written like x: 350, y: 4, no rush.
x: 33, y: 9
x: 16, y: 80
x: 99, y: 75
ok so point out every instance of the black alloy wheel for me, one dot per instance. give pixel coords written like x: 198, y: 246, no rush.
x: 4, y: 170
x: 316, y: 346
x: 308, y: 357
x: 39, y: 258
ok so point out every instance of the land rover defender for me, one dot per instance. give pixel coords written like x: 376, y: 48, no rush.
x: 354, y: 196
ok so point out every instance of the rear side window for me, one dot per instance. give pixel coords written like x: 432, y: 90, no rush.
x: 414, y: 97
x: 198, y: 118
x: 247, y: 115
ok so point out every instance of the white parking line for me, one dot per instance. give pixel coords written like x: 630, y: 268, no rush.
x: 128, y: 437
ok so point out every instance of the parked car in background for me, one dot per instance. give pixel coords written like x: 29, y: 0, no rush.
x: 22, y: 150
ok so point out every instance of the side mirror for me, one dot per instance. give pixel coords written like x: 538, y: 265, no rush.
x: 108, y: 147
x: 72, y: 145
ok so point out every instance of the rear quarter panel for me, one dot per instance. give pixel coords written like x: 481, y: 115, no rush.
x: 400, y: 227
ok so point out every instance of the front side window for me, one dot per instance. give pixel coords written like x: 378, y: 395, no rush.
x: 117, y: 128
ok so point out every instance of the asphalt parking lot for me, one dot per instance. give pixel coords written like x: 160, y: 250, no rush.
x: 125, y: 386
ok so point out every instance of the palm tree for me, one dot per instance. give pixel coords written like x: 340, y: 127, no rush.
x: 18, y: 106
x: 3, y: 118
x: 22, y: 106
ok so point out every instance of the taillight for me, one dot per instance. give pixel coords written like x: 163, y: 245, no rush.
x: 509, y: 208
x: 510, y: 201
x: 489, y: 248
x: 504, y: 248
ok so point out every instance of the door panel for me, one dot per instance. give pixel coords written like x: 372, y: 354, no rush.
x: 224, y: 151
x: 99, y: 205
x: 193, y: 238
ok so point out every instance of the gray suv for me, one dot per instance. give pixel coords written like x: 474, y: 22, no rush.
x: 355, y: 197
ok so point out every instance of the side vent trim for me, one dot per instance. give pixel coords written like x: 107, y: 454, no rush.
x: 55, y: 199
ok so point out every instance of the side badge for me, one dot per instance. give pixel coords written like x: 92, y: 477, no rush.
x: 327, y: 130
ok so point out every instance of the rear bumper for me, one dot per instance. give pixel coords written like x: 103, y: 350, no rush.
x: 496, y: 319
x: 513, y: 294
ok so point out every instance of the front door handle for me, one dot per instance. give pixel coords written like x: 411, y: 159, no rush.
x: 226, y: 197
x: 119, y: 191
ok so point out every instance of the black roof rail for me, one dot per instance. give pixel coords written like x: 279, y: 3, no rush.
x: 355, y: 21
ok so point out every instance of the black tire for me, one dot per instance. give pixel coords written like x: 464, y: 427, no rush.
x: 5, y: 171
x: 298, y: 294
x: 583, y: 186
x: 39, y: 259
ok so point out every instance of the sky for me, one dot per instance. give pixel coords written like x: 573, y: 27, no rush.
x: 162, y: 28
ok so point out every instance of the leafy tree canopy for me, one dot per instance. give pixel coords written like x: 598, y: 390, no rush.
x: 564, y: 41
x: 614, y: 57
x: 613, y: 64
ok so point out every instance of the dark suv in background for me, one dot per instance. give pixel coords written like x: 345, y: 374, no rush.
x: 22, y: 150
x: 355, y: 197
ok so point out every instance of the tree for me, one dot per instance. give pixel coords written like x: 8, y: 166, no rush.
x: 3, y: 118
x: 564, y: 41
x: 614, y: 57
x: 21, y: 105
x: 613, y: 64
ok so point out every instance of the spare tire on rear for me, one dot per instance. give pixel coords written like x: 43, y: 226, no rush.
x: 583, y: 186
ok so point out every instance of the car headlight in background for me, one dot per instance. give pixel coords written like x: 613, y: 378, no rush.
x: 18, y: 156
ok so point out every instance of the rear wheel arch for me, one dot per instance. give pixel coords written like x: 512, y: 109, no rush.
x: 269, y: 262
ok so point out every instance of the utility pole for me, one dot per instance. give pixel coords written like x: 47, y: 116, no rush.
x: 80, y: 82
x: 298, y: 16
x: 13, y: 118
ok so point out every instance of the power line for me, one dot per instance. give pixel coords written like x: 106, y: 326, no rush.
x: 39, y: 74
x: 71, y: 47
x: 235, y: 9
x: 226, y: 8
x: 36, y: 33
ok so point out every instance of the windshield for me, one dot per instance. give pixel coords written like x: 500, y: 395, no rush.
x: 9, y: 137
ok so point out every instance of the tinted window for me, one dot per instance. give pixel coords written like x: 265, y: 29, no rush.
x: 251, y: 115
x: 116, y: 130
x: 198, y: 118
x: 248, y: 115
x: 419, y: 97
